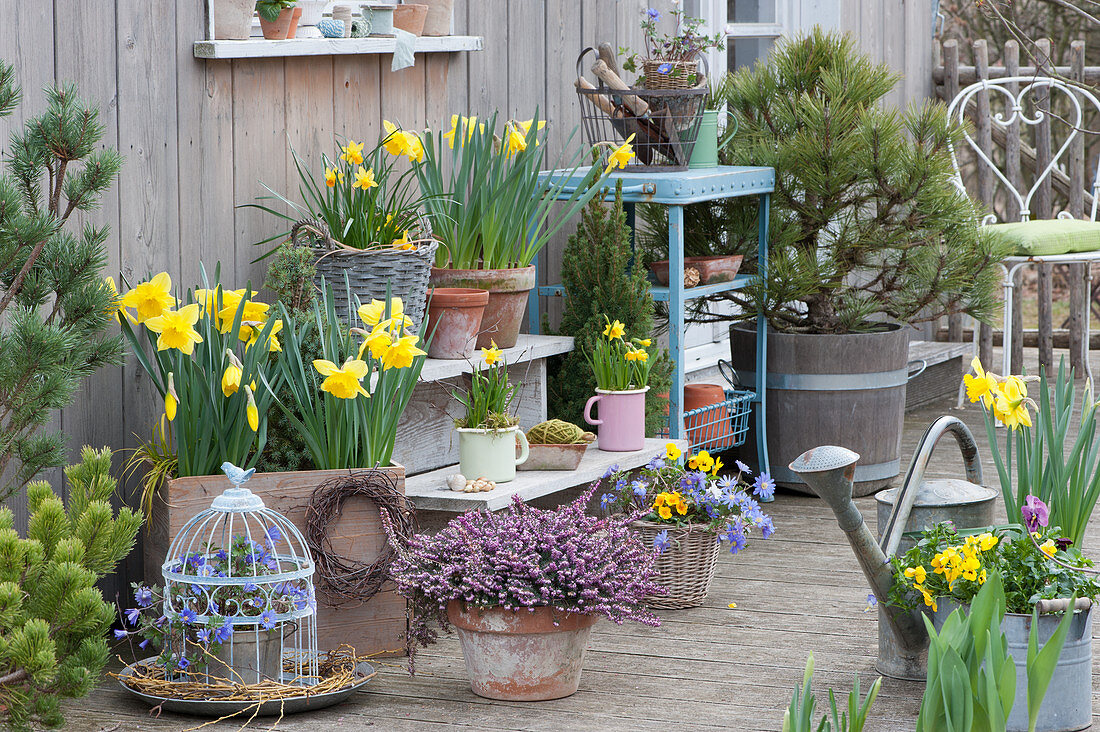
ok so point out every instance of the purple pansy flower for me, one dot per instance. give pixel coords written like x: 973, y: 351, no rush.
x: 1035, y: 513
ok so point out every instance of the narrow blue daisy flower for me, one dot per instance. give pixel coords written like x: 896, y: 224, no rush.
x: 653, y: 14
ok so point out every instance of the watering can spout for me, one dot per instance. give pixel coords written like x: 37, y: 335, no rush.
x: 829, y: 471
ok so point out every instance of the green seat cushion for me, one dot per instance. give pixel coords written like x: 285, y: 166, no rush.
x: 1047, y: 237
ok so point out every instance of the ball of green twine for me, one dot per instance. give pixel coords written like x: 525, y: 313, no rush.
x: 555, y: 432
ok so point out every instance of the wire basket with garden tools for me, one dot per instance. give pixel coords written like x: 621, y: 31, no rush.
x: 664, y: 122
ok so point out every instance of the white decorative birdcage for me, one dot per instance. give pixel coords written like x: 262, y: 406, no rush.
x: 239, y: 603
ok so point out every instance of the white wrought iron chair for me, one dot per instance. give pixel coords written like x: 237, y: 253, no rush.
x: 1019, y: 106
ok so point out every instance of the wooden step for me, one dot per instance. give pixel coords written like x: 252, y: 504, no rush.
x: 945, y: 364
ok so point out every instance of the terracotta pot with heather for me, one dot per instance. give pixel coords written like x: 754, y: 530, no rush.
x: 522, y: 624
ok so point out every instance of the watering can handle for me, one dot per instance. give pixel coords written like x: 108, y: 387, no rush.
x: 907, y: 495
x: 729, y: 374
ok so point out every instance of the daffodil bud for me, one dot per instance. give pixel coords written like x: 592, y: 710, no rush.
x: 251, y: 411
x: 171, y: 398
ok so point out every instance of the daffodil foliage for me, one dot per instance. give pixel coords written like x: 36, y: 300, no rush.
x: 363, y: 197
x: 620, y: 364
x: 1061, y: 471
x: 54, y: 304
x: 488, y: 402
x: 209, y: 356
x: 484, y: 197
x: 347, y: 404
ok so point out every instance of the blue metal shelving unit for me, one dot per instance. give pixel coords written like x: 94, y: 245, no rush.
x: 676, y: 189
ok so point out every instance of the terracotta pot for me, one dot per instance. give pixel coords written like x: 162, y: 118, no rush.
x: 233, y: 19
x: 278, y: 29
x: 440, y: 14
x: 712, y: 425
x: 410, y: 18
x: 520, y: 655
x: 294, y: 19
x: 454, y: 319
x: 621, y: 419
x: 508, y: 293
x: 710, y: 269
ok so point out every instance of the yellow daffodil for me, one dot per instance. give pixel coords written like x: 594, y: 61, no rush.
x: 252, y: 312
x: 118, y: 306
x: 364, y: 179
x: 177, y: 329
x: 515, y: 139
x: 672, y: 451
x: 231, y: 380
x: 918, y: 574
x: 414, y: 148
x: 1011, y: 403
x: 352, y: 153
x: 401, y: 353
x: 330, y: 177
x: 250, y: 410
x: 403, y: 242
x: 620, y: 156
x: 980, y: 386
x: 373, y: 312
x: 273, y: 344
x: 394, y: 143
x: 208, y: 300
x: 646, y: 342
x: 171, y: 398
x: 1048, y: 547
x: 717, y: 466
x: 150, y: 299
x: 343, y: 382
x: 637, y: 355
x: 614, y: 330
x: 526, y: 126
x: 493, y: 354
x: 379, y: 341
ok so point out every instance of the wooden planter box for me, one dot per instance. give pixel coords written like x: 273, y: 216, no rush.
x: 377, y: 626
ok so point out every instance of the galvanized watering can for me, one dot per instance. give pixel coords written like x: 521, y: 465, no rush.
x: 829, y: 470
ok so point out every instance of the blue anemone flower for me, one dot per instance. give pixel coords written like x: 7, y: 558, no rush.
x: 143, y: 596
x: 610, y: 471
x: 120, y: 634
x: 742, y: 467
x: 133, y: 615
x: 639, y: 487
x: 766, y: 527
x: 606, y: 500
x: 664, y: 69
x: 661, y: 541
x: 653, y: 14
x: 764, y: 487
x: 267, y: 619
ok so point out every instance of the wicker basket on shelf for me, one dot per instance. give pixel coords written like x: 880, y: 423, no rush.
x: 686, y: 567
x: 675, y: 75
x: 370, y: 271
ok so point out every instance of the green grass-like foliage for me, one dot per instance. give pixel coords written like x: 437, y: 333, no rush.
x: 54, y: 304
x: 603, y: 282
x: 799, y: 716
x: 52, y: 616
x: 866, y: 223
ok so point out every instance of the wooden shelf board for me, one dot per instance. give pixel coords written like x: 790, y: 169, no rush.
x: 430, y: 493
x: 527, y: 348
x: 261, y: 48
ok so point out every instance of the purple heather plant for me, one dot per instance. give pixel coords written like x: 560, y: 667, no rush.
x: 523, y: 558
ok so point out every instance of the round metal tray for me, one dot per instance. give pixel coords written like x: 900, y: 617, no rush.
x: 274, y: 707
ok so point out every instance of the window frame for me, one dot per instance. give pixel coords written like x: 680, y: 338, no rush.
x: 715, y: 16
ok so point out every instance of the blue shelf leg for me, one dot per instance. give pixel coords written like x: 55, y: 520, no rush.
x: 533, y: 324
x: 762, y: 344
x: 676, y: 319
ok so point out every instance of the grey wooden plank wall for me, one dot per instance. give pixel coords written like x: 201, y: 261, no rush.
x: 898, y: 33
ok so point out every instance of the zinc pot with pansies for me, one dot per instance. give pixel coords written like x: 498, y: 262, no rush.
x: 491, y: 453
x: 521, y: 655
x: 508, y: 293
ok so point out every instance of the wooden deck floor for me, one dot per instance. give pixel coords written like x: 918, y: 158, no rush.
x: 707, y: 668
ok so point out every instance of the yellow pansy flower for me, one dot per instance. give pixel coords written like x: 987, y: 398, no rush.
x: 342, y: 381
x: 1048, y: 547
x: 928, y: 599
x: 664, y: 512
x: 981, y: 577
x: 330, y: 177
x: 151, y: 298
x: 987, y: 541
x: 250, y: 410
x: 614, y: 330
x: 364, y: 179
x: 701, y: 461
x: 620, y: 156
x: 171, y: 398
x: 918, y: 574
x: 493, y: 354
x: 400, y: 355
x: 177, y: 329
x: 352, y: 153
x: 672, y: 451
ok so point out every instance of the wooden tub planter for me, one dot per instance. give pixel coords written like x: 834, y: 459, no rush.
x: 377, y: 626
